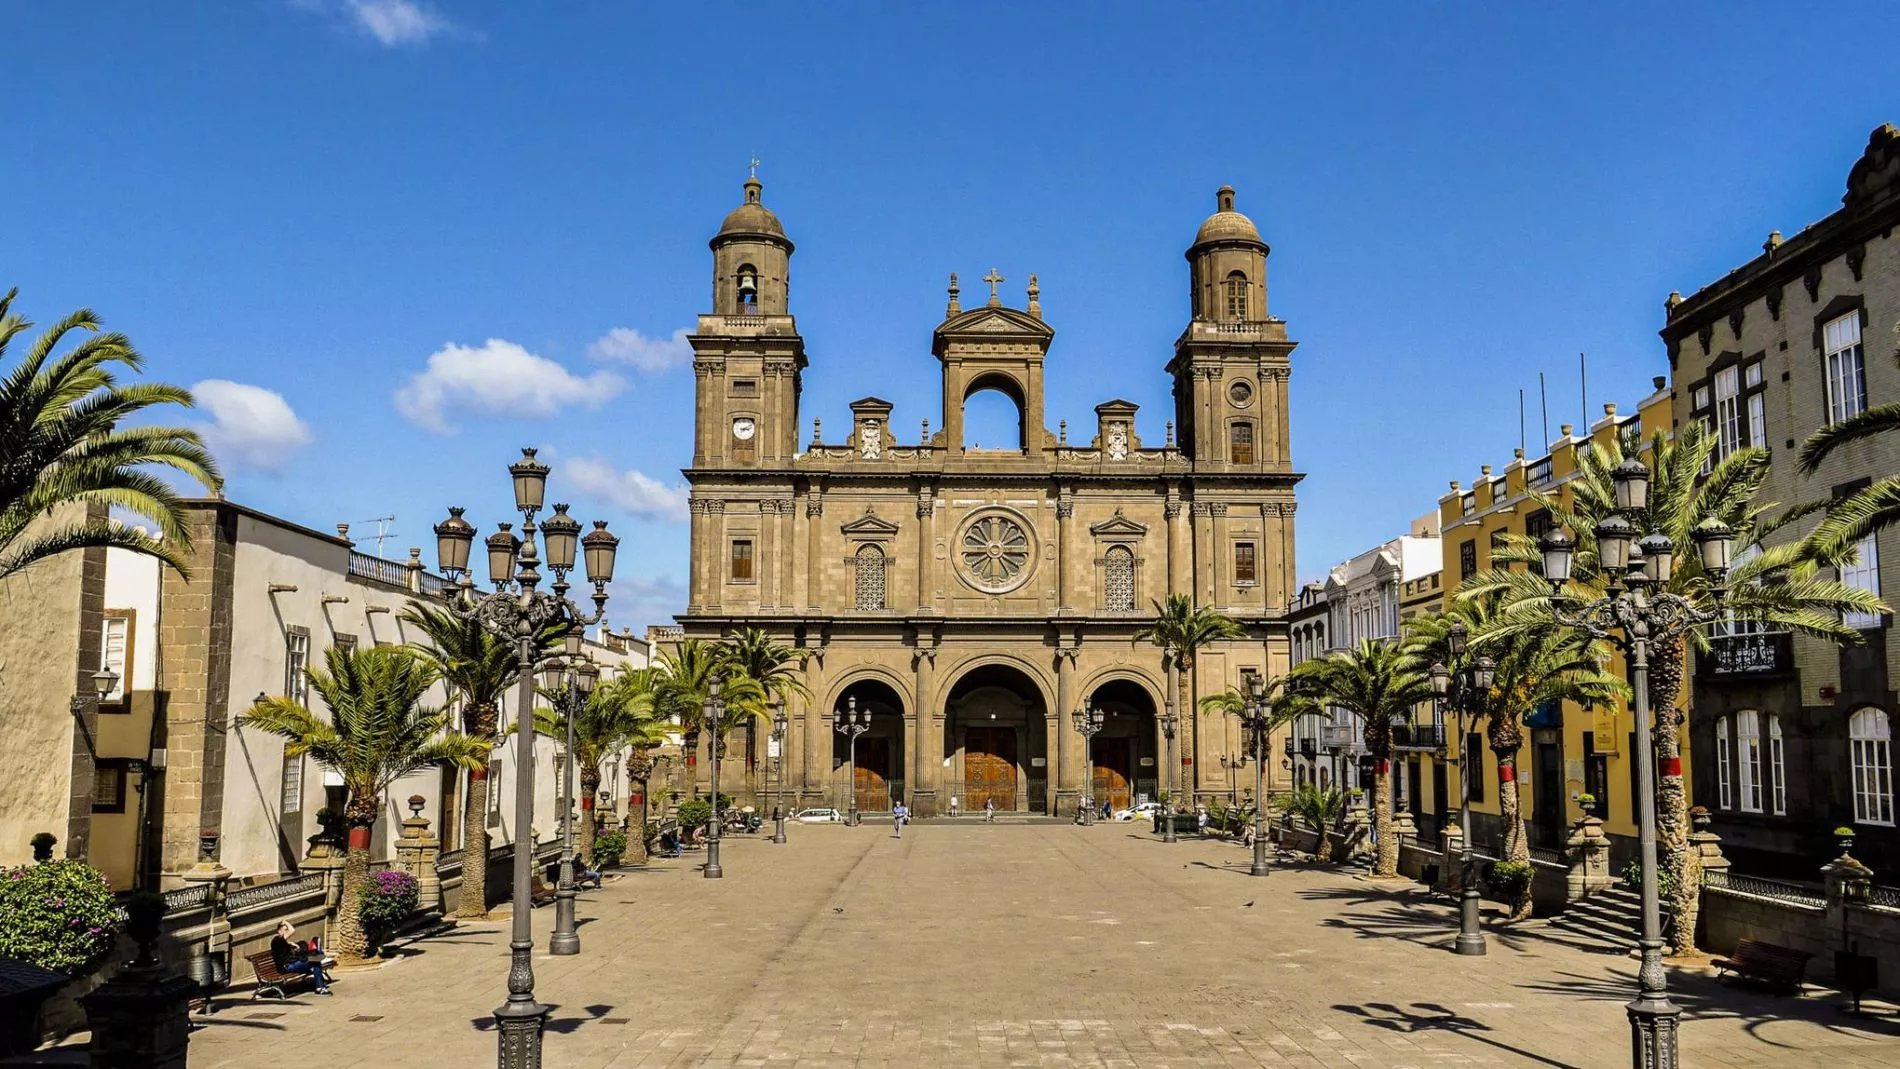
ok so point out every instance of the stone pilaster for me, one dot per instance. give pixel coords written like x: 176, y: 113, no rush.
x: 195, y: 678
x: 1588, y: 853
x: 416, y: 854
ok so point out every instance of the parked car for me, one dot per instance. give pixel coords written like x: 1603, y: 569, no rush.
x: 1144, y: 811
x: 818, y: 816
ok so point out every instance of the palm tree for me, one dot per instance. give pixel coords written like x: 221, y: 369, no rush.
x: 616, y: 714
x: 1379, y: 683
x: 774, y: 666
x: 71, y: 435
x: 1181, y: 631
x: 1777, y: 585
x: 1321, y: 809
x: 1534, y: 667
x: 1286, y: 701
x: 377, y: 733
x: 479, y: 668
x: 685, y: 678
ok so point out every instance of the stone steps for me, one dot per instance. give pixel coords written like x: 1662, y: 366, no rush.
x: 1608, y: 920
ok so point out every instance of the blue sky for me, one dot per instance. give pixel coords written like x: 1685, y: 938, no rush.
x: 364, y: 224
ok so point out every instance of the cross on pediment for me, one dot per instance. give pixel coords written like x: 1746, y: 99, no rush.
x: 993, y: 278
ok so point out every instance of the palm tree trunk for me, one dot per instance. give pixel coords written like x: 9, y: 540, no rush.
x: 474, y: 894
x: 1517, y: 845
x: 1681, y: 864
x: 637, y: 843
x: 590, y: 787
x: 1385, y: 859
x: 351, y: 941
x: 1184, y: 702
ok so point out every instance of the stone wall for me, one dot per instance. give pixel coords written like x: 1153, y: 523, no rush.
x: 1729, y: 916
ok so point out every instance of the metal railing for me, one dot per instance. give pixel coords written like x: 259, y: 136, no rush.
x: 253, y: 897
x: 185, y: 899
x: 1548, y: 854
x: 1885, y: 897
x: 365, y: 566
x: 1418, y: 736
x: 1785, y: 890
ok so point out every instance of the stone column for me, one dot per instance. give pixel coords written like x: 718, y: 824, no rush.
x: 817, y: 786
x: 1171, y: 514
x: 1706, y: 844
x: 925, y: 754
x: 766, y: 566
x: 326, y: 856
x: 1071, y: 761
x: 926, y: 520
x: 1201, y: 565
x: 416, y: 853
x: 716, y: 562
x: 1588, y: 853
x: 1065, y: 511
x: 1217, y: 555
x: 1404, y: 828
x: 814, y: 563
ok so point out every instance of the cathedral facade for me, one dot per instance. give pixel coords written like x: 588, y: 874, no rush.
x: 972, y: 599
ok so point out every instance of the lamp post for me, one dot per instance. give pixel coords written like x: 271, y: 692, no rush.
x: 780, y: 724
x: 715, y: 710
x: 1088, y: 722
x: 1461, y: 690
x: 1169, y: 724
x: 852, y: 722
x: 1633, y: 615
x: 1257, y: 722
x: 518, y: 613
x: 576, y: 683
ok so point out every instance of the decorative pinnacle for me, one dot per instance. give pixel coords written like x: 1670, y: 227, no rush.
x: 955, y: 305
x: 1035, y: 298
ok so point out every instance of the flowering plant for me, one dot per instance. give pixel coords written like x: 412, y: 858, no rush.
x: 58, y: 915
x: 389, y: 898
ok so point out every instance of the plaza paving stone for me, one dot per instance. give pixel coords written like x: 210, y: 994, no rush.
x: 1038, y: 945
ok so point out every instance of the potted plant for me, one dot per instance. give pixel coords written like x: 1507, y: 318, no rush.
x: 1844, y: 838
x: 1588, y: 803
x: 609, y: 848
x: 1507, y: 880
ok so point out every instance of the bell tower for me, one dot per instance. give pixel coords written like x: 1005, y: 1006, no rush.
x: 747, y: 353
x: 1230, y: 366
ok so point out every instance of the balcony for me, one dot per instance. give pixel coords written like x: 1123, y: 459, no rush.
x: 1747, y: 656
x: 1418, y: 737
x: 1339, y: 736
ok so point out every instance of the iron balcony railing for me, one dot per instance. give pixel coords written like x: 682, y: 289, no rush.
x: 1418, y: 736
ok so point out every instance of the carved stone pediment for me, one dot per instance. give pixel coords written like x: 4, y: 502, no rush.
x: 1118, y: 526
x: 869, y: 526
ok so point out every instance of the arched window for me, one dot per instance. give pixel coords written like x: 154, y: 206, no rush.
x: 1240, y: 443
x: 748, y: 288
x: 1748, y: 759
x: 1118, y: 580
x: 870, y: 565
x: 1237, y: 296
x: 1870, y: 736
x: 1777, y: 769
x: 1722, y: 796
x: 993, y: 417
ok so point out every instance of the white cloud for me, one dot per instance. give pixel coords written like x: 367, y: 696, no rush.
x: 638, y: 601
x: 395, y: 23
x: 624, y: 345
x: 633, y: 492
x: 252, y: 428
x: 498, y: 379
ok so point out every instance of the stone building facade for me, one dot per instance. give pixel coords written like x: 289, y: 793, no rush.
x: 973, y: 598
x: 1793, y: 735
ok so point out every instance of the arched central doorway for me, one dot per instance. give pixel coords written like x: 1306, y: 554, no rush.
x: 877, y: 776
x: 996, y: 746
x: 1123, y: 767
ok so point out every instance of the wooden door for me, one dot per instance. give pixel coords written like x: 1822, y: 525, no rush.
x: 872, y: 789
x: 1113, y: 768
x: 989, y: 768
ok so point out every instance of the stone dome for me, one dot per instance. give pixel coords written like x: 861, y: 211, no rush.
x: 751, y: 218
x: 1226, y: 224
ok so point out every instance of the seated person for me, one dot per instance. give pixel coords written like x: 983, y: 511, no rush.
x: 584, y: 875
x: 292, y: 958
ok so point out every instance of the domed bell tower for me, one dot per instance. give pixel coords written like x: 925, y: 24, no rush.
x: 747, y: 353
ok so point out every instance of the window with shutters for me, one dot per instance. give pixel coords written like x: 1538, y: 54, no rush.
x: 1870, y: 736
x: 1240, y: 443
x: 1467, y: 560
x: 115, y: 655
x: 1846, y: 373
x: 108, y: 785
x: 870, y: 563
x: 1236, y: 296
x: 1244, y: 566
x: 741, y: 570
x: 1748, y: 760
x: 296, y: 661
x: 1863, y: 573
x: 1723, y: 786
x: 1118, y: 580
x: 292, y: 794
x: 1777, y: 769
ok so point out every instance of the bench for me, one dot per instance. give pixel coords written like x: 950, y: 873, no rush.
x: 540, y: 892
x: 1775, y: 965
x: 270, y: 979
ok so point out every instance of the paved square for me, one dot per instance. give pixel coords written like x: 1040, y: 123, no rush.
x: 1001, y: 945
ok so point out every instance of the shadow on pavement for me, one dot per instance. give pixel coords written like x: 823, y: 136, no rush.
x: 1432, y: 1017
x: 1703, y: 997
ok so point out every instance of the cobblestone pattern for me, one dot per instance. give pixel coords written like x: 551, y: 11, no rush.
x: 1020, y: 946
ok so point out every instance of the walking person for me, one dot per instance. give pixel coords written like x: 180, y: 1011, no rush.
x: 989, y: 810
x: 956, y: 805
x: 900, y: 815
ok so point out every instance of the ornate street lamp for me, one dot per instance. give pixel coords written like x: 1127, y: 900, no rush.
x: 518, y: 613
x: 574, y: 685
x: 1462, y: 691
x: 1169, y: 725
x: 780, y: 724
x: 851, y: 722
x: 715, y: 710
x: 1635, y: 612
x: 1088, y: 722
x: 1256, y: 720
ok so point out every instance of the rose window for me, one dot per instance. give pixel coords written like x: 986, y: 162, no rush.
x: 996, y: 553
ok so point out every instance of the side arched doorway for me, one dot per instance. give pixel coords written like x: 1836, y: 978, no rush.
x: 877, y: 776
x: 1123, y: 767
x: 996, y: 736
